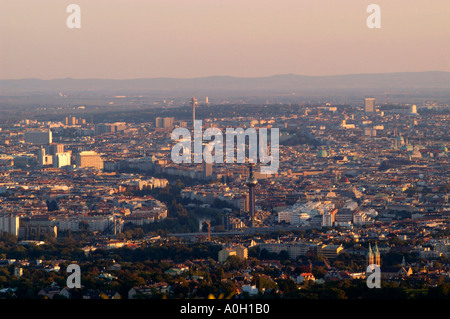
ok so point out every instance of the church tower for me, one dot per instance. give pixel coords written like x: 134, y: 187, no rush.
x: 370, y: 256
x: 377, y: 256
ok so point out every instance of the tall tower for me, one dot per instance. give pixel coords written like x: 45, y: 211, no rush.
x: 370, y: 256
x: 251, y: 182
x: 194, y: 105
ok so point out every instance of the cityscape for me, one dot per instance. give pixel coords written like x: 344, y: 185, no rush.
x: 357, y: 185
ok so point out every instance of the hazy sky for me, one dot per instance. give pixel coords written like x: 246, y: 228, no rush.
x: 193, y: 38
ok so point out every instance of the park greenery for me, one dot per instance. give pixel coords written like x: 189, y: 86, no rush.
x: 149, y: 262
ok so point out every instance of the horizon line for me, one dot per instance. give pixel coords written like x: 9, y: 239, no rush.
x: 224, y: 76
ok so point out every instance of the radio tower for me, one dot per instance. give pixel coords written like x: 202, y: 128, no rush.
x: 251, y: 182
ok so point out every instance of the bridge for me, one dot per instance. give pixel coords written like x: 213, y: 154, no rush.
x: 244, y: 232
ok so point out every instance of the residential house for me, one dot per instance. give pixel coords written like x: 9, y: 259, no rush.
x: 176, y: 271
x: 304, y: 277
x: 101, y: 294
x: 392, y: 272
x: 141, y: 292
x: 251, y: 290
x: 65, y: 292
x: 49, y: 292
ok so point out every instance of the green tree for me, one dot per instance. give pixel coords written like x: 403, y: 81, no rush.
x: 440, y: 292
x: 234, y: 263
x: 264, y: 283
x: 287, y: 286
x: 319, y: 271
x: 332, y: 293
x: 83, y: 225
x: 283, y: 255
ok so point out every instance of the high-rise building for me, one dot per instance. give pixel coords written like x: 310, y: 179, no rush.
x: 9, y: 224
x: 225, y: 253
x: 61, y: 160
x: 89, y: 159
x: 102, y: 128
x: 251, y: 182
x: 168, y: 122
x: 241, y: 252
x: 72, y: 120
x: 414, y: 109
x: 43, y: 158
x: 164, y: 122
x: 54, y: 148
x: 329, y: 218
x: 53, y: 154
x: 105, y: 128
x: 207, y: 170
x: 40, y: 137
x: 369, y: 104
x: 243, y: 203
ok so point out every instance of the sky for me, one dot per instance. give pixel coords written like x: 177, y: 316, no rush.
x: 124, y: 39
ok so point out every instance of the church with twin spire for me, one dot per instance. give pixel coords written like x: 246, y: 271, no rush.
x: 373, y: 257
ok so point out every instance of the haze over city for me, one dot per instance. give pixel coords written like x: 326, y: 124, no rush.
x: 186, y: 39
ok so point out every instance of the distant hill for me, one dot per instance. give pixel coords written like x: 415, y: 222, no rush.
x: 433, y: 80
